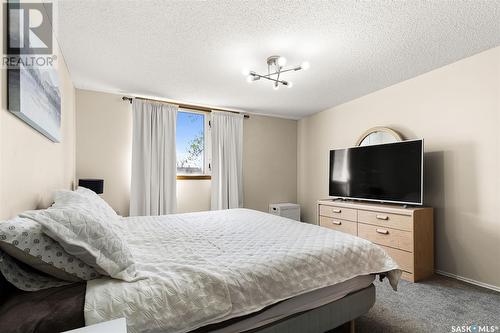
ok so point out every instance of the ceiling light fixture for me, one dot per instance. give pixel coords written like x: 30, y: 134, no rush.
x: 275, y: 67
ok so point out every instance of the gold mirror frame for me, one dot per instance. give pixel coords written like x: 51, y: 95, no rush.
x: 396, y: 135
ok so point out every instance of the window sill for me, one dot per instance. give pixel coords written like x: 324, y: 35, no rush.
x: 193, y: 177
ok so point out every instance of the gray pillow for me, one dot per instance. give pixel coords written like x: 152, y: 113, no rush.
x: 24, y: 240
x: 24, y: 277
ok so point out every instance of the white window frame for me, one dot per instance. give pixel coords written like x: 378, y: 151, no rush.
x: 207, y: 149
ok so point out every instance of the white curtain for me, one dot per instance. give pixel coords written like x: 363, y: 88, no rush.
x: 227, y: 160
x: 153, y: 184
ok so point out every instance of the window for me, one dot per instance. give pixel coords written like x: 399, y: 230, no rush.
x: 192, y: 142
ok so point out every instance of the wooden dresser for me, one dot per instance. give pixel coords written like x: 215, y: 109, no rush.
x: 407, y: 234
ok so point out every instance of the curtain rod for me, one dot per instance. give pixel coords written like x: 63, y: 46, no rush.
x: 184, y: 106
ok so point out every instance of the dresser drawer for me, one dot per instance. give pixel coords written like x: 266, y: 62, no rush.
x: 402, y: 258
x: 339, y: 225
x: 338, y: 212
x: 386, y: 236
x: 408, y: 276
x: 395, y: 221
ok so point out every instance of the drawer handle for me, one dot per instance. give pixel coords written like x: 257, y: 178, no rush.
x: 383, y: 231
x: 336, y: 222
x: 382, y: 217
x: 337, y: 210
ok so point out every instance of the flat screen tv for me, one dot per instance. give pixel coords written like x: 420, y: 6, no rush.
x: 391, y: 172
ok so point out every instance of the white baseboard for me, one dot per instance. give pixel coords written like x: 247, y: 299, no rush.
x: 471, y: 281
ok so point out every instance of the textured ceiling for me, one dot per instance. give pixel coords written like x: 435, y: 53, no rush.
x: 194, y: 51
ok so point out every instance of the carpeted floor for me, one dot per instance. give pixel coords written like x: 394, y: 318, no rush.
x: 434, y: 305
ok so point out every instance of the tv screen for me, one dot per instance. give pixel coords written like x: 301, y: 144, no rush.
x: 390, y: 172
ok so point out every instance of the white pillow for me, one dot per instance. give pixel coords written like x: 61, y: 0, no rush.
x: 89, y: 238
x: 96, y: 198
x: 87, y: 199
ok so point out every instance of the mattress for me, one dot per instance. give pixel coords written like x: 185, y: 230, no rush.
x: 203, y: 268
x: 61, y: 308
x: 292, y: 306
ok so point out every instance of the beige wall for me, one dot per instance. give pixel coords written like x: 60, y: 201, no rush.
x: 104, y: 144
x: 32, y: 166
x: 269, y: 161
x: 456, y: 109
x: 193, y: 195
x: 104, y: 132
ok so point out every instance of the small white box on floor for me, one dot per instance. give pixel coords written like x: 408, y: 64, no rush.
x: 289, y: 210
x: 112, y: 326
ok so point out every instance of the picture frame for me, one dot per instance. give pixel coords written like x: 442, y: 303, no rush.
x: 32, y: 79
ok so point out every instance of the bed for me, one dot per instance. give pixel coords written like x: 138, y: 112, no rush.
x: 237, y: 270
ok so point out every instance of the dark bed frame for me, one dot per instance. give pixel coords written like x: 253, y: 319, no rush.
x: 326, y: 317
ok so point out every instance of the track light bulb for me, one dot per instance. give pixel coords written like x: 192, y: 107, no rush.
x: 289, y: 84
x: 250, y: 79
x: 245, y: 71
x: 281, y: 61
x: 305, y: 65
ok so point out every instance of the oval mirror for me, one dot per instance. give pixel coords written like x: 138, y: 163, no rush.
x: 378, y: 135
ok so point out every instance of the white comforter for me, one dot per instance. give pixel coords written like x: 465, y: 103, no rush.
x: 207, y: 267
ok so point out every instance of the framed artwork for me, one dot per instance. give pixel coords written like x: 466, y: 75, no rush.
x: 33, y: 81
